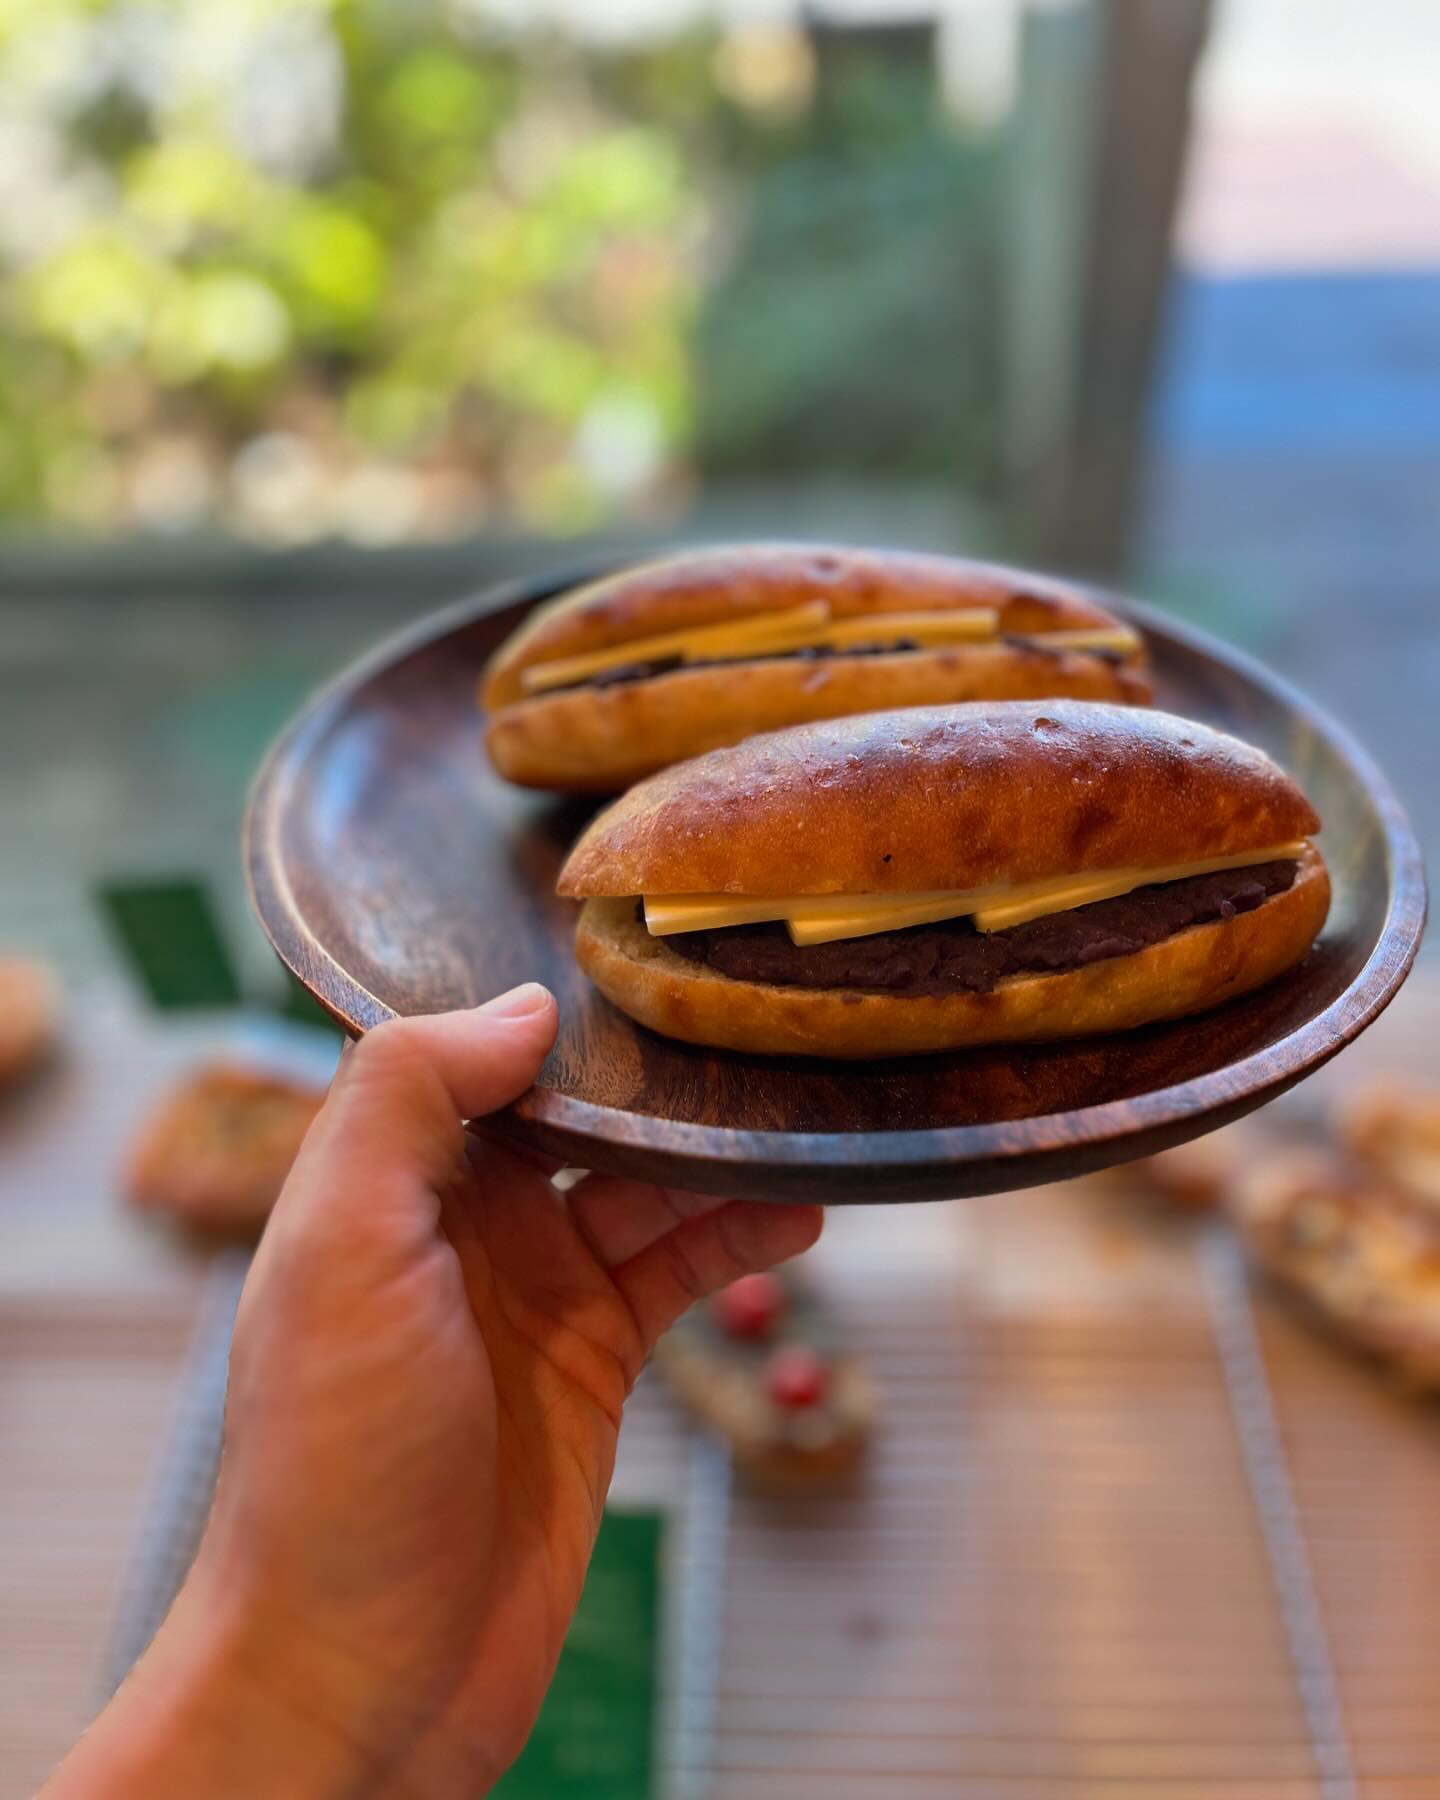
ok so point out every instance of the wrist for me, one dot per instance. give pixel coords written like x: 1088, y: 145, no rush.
x: 218, y: 1706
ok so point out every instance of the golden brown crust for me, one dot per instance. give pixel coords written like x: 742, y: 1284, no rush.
x: 940, y: 797
x: 599, y: 740
x: 216, y: 1151
x: 29, y: 1008
x: 1188, y: 973
x: 738, y: 581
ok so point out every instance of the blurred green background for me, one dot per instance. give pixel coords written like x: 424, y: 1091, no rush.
x: 391, y: 272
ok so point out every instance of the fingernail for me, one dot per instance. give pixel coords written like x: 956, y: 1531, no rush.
x: 520, y: 1003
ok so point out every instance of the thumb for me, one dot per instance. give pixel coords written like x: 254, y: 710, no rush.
x: 396, y: 1105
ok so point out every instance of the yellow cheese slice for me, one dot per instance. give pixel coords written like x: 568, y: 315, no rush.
x: 805, y: 627
x: 1060, y: 896
x: 797, y: 628
x: 1119, y: 638
x: 926, y: 628
x: 735, y: 638
x: 667, y: 914
x: 826, y: 918
x: 866, y: 914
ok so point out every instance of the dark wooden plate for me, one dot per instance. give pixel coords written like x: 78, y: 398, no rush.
x: 395, y: 873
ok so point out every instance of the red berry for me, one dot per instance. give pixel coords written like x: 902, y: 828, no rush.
x: 796, y: 1376
x: 749, y: 1307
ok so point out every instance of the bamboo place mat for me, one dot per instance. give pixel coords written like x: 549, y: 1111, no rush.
x: 86, y: 1397
x: 1129, y: 1527
x: 1065, y: 1571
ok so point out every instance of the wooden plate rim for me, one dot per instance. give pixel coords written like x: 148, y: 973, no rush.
x: 563, y: 1123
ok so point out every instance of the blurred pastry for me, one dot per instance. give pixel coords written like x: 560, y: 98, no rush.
x: 1195, y: 1175
x: 1395, y: 1129
x: 215, y: 1153
x: 1355, y: 1248
x: 29, y: 1016
x: 765, y: 1364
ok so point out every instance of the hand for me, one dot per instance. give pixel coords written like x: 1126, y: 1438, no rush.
x: 430, y: 1359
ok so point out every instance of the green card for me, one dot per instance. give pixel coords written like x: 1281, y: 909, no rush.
x: 172, y: 939
x: 595, y: 1734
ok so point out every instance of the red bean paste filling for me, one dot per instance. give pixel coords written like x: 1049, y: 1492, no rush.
x: 955, y: 958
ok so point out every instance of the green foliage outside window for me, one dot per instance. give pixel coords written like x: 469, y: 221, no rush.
x: 310, y: 266
x: 387, y: 269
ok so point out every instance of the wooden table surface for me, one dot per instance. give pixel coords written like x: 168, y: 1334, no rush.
x: 1129, y: 1527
